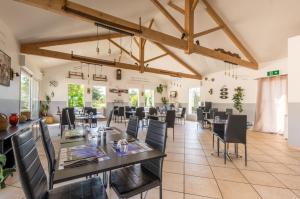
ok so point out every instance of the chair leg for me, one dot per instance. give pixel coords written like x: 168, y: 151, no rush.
x: 245, y: 154
x: 160, y: 192
x: 218, y: 146
x: 173, y: 133
x: 213, y: 141
x: 142, y: 195
x: 225, y: 152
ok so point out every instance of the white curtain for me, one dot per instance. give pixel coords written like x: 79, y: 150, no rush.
x: 271, y: 104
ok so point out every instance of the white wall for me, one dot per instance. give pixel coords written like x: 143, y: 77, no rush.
x: 9, y: 96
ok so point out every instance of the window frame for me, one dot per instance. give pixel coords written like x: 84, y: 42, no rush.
x: 153, y: 97
x: 138, y: 96
x: 190, y: 100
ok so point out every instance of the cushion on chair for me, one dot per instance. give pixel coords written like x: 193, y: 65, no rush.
x: 88, y: 189
x: 132, y: 180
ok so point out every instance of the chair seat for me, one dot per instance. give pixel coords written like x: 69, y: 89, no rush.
x: 89, y: 189
x: 132, y: 180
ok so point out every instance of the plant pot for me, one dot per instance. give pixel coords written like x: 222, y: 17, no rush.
x: 49, y: 119
x: 3, y: 122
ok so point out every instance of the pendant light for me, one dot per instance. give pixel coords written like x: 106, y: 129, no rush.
x: 97, y: 48
x: 109, y: 49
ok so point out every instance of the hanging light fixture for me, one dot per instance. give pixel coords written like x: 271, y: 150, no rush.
x: 97, y: 48
x: 131, y: 46
x: 121, y: 51
x: 109, y: 49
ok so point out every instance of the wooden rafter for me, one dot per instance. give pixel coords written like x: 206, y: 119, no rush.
x: 199, y: 34
x: 179, y: 60
x: 195, y: 3
x: 142, y: 55
x: 189, y: 25
x: 146, y: 33
x: 71, y: 57
x: 124, y: 50
x: 155, y: 58
x: 75, y: 40
x: 228, y: 32
x: 150, y: 26
x: 175, y: 7
x: 168, y: 15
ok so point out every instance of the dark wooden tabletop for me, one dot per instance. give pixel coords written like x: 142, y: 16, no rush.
x: 114, y: 162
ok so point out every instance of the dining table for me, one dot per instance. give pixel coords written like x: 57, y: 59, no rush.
x: 89, y: 117
x: 81, y: 144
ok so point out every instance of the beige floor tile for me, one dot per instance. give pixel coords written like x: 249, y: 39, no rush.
x: 235, y: 190
x: 194, y: 152
x: 291, y: 181
x: 202, y: 186
x: 219, y: 162
x: 173, y: 182
x: 274, y: 192
x: 295, y: 168
x: 154, y: 194
x: 262, y: 158
x: 297, y: 192
x: 196, y: 159
x: 251, y: 165
x: 261, y: 178
x: 231, y: 174
x: 198, y: 170
x: 276, y: 168
x: 188, y: 196
x: 176, y: 157
x: 11, y: 192
x: 175, y: 150
x: 173, y: 167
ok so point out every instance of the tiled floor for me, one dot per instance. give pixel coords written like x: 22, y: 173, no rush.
x: 192, y: 172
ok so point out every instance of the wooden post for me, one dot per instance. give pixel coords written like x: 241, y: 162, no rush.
x: 189, y: 25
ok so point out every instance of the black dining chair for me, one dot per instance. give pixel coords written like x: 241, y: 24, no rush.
x: 91, y: 111
x: 116, y: 110
x: 133, y: 127
x: 181, y: 117
x: 235, y: 132
x: 128, y: 113
x: 49, y: 150
x: 34, y: 180
x: 121, y: 114
x: 109, y: 118
x: 67, y: 119
x: 152, y: 111
x: 170, y: 120
x: 200, y: 118
x: 139, y: 178
x: 229, y: 111
x: 141, y: 115
x: 221, y: 115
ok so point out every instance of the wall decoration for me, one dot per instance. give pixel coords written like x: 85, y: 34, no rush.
x: 114, y: 90
x: 173, y: 94
x: 53, y: 83
x: 5, y: 69
x: 160, y: 89
x: 224, y: 92
x: 13, y: 74
x: 238, y: 98
x: 210, y: 91
x: 75, y: 75
x: 99, y: 77
x: 119, y: 74
x: 88, y: 90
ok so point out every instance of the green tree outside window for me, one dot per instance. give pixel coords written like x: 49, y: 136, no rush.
x: 75, y: 95
x: 99, y: 97
x: 133, y: 97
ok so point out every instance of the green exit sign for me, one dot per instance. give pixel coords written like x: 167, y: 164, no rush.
x: 273, y: 73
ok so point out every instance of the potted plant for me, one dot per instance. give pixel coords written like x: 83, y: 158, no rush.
x: 4, y: 173
x: 160, y: 89
x: 238, y: 98
x: 45, y: 108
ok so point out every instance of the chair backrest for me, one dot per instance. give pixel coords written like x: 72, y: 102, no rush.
x: 212, y: 112
x: 116, y: 110
x: 236, y: 128
x: 152, y: 111
x: 156, y: 138
x: 229, y: 111
x: 109, y: 118
x: 32, y: 175
x: 183, y: 111
x: 170, y: 118
x: 133, y: 126
x: 87, y: 110
x: 121, y: 111
x: 133, y: 108
x: 140, y: 113
x: 48, y: 146
x: 207, y: 106
x: 222, y: 115
x: 200, y: 116
x: 127, y: 108
x: 68, y: 116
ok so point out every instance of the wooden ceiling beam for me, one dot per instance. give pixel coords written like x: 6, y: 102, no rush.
x: 175, y: 7
x: 146, y: 33
x: 90, y: 60
x: 155, y: 58
x: 179, y: 60
x: 150, y: 27
x: 199, y: 34
x: 168, y: 16
x: 142, y: 55
x: 228, y: 32
x: 189, y: 25
x: 195, y: 3
x: 74, y: 40
x: 123, y: 49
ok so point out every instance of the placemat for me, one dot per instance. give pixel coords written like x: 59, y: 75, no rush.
x: 81, y: 152
x: 133, y: 148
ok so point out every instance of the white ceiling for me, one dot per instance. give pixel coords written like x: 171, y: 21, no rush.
x: 262, y: 25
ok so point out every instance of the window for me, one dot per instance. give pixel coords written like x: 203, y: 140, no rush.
x: 149, y: 98
x: 25, y: 92
x: 75, y: 95
x: 194, y: 99
x: 133, y: 96
x: 99, y: 97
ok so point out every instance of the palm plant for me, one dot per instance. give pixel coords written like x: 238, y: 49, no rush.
x: 237, y: 99
x: 4, y: 173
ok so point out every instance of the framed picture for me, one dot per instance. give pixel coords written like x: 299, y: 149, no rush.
x: 173, y: 94
x: 5, y: 64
